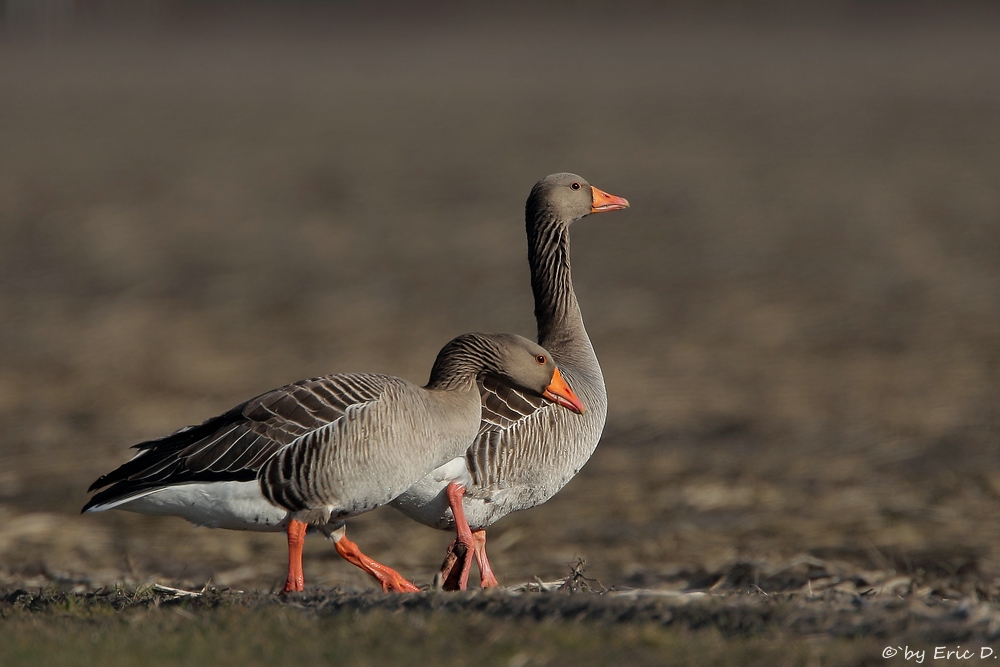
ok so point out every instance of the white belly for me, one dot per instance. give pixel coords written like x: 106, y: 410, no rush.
x: 230, y: 505
x: 426, y: 500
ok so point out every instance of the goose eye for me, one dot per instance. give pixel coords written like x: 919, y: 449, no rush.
x: 540, y: 358
x: 575, y: 186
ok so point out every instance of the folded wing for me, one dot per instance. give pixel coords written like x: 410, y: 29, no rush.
x: 235, y: 445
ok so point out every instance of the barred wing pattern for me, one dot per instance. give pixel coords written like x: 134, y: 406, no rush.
x: 504, y: 408
x: 234, y: 446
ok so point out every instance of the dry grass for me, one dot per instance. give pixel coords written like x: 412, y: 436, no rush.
x: 799, y: 318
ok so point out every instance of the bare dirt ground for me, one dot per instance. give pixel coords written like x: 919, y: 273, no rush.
x: 798, y: 318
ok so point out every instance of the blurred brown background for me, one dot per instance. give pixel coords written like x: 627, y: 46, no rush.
x: 798, y: 318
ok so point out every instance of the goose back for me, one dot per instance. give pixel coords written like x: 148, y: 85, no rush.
x: 357, y: 438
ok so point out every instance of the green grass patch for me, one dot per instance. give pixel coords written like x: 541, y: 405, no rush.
x: 270, y: 635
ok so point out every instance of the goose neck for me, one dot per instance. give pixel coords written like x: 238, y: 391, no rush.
x: 461, y: 361
x: 557, y: 312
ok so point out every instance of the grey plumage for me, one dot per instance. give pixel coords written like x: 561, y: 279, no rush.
x: 324, y: 449
x: 526, y: 449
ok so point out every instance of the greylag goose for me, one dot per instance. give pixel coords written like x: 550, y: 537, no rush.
x: 324, y: 449
x: 525, y: 451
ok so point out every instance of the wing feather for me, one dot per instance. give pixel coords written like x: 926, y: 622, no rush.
x: 235, y: 445
x: 504, y: 409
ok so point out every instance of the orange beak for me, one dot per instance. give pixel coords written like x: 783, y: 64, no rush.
x: 559, y: 392
x: 602, y: 201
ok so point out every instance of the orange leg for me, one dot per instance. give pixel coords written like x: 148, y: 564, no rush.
x: 296, y: 539
x: 486, y: 578
x: 463, y: 548
x: 388, y: 577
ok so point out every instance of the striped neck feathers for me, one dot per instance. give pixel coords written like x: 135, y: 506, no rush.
x: 463, y: 360
x: 557, y: 312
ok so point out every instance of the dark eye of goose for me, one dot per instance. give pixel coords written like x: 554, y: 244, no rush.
x: 575, y: 186
x: 540, y: 359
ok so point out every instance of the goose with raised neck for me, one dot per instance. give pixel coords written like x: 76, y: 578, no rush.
x: 525, y: 451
